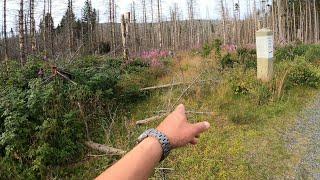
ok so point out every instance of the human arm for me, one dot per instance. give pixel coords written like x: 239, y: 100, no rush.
x: 140, y: 162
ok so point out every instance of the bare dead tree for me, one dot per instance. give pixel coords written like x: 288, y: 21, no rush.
x: 70, y: 26
x: 159, y: 24
x: 223, y: 15
x: 21, y: 35
x: 316, y: 21
x: 32, y: 27
x: 5, y: 31
x: 112, y: 16
x: 44, y: 28
x: 125, y: 19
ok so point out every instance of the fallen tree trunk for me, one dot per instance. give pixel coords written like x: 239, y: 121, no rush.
x: 173, y: 84
x: 154, y: 118
x: 162, y: 86
x: 191, y: 112
x: 165, y: 113
x: 104, y: 148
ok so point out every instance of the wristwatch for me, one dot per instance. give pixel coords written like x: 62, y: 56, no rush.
x: 162, y: 138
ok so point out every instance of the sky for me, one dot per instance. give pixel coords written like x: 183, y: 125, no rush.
x: 205, y: 9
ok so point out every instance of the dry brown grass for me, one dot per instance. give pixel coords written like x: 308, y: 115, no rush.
x: 186, y: 67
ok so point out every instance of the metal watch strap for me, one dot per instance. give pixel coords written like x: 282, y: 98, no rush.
x: 162, y: 138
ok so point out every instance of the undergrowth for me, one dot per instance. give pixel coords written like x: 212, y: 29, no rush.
x: 44, y: 121
x: 44, y: 124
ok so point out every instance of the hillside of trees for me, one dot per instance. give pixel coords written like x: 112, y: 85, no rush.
x: 291, y: 21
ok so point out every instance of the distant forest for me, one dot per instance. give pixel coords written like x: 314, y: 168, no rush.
x: 291, y: 20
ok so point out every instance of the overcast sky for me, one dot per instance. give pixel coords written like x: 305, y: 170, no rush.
x: 205, y: 9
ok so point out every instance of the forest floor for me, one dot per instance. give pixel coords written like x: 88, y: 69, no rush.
x: 247, y: 140
x: 304, y: 141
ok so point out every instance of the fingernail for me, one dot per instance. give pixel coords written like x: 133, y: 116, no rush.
x: 206, y: 124
x: 181, y: 108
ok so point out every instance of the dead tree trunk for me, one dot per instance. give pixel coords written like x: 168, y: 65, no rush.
x: 50, y: 28
x: 21, y: 35
x: 105, y: 149
x: 44, y: 33
x: 159, y: 25
x: 152, y: 24
x: 223, y: 14
x: 316, y: 21
x: 125, y: 19
x: 5, y: 31
x: 134, y: 37
x: 70, y: 26
x: 144, y: 19
x: 32, y: 28
x: 26, y: 43
x: 113, y: 27
x: 294, y: 36
x: 306, y: 23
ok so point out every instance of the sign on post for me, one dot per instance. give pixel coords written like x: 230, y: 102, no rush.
x: 265, y: 48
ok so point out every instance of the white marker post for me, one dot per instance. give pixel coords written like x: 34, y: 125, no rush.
x: 264, y: 43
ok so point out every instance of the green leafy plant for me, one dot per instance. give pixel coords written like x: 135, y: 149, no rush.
x: 206, y: 50
x: 302, y: 75
x: 42, y: 122
x: 247, y: 57
x: 313, y: 54
x: 290, y: 52
x: 227, y: 61
x: 208, y: 47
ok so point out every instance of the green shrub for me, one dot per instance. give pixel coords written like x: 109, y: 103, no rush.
x: 284, y: 53
x: 242, y: 115
x: 227, y: 61
x: 313, y: 54
x: 245, y: 84
x: 208, y: 47
x: 300, y: 49
x: 262, y: 93
x: 290, y: 52
x: 240, y: 90
x: 42, y: 123
x: 247, y: 57
x: 217, y: 43
x: 304, y: 74
x: 206, y: 50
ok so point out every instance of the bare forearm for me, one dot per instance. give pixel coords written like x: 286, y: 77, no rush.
x: 138, y: 163
x: 174, y: 132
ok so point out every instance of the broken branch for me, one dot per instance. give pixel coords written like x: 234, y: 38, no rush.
x: 173, y: 84
x: 104, y: 148
x: 154, y: 118
x: 190, y: 112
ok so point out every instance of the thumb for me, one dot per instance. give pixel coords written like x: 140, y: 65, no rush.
x: 201, y: 127
x: 181, y: 109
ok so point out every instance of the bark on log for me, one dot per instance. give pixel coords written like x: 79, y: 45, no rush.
x: 192, y: 112
x: 165, y: 113
x: 173, y: 84
x: 154, y: 118
x: 162, y: 86
x: 104, y: 148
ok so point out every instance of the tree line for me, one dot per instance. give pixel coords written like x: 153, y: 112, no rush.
x: 149, y: 27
